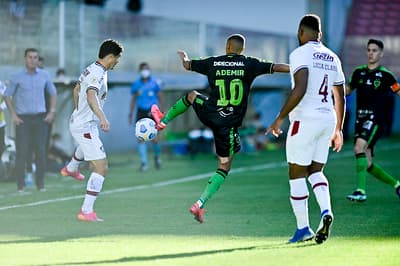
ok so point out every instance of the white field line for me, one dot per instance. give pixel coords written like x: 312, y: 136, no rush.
x: 180, y: 180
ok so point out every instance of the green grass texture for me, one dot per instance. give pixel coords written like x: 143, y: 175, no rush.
x: 247, y: 222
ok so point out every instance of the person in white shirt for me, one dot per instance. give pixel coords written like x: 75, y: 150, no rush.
x: 315, y: 107
x: 89, y: 96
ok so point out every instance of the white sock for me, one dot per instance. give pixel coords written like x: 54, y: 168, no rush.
x: 94, y: 186
x: 200, y: 203
x: 88, y: 202
x: 76, y: 160
x: 73, y: 165
x: 299, y: 201
x: 320, y: 187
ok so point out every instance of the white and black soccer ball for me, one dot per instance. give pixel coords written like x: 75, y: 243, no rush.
x: 145, y: 129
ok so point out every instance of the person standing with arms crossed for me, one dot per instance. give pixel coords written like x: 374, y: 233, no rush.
x: 25, y: 99
x: 89, y: 97
x: 230, y: 77
x: 374, y: 84
x: 316, y: 108
x: 145, y: 92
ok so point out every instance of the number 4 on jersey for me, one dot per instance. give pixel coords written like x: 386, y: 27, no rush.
x: 323, y: 90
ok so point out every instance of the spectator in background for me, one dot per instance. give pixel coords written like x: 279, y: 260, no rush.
x: 41, y: 62
x: 17, y: 9
x: 200, y: 141
x: 374, y: 84
x: 30, y: 165
x: 62, y: 77
x: 25, y: 99
x: 145, y: 92
x: 2, y: 119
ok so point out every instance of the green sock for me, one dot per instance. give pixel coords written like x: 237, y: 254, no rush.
x: 382, y: 175
x: 178, y: 108
x: 213, y: 184
x: 361, y: 168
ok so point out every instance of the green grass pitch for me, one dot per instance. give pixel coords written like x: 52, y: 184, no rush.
x: 248, y: 222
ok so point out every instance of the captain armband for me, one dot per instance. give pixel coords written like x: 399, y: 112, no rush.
x: 395, y: 87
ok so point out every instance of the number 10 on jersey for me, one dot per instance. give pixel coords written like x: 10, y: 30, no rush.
x: 235, y: 91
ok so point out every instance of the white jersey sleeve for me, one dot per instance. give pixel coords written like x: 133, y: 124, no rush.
x: 93, y: 77
x: 324, y: 71
x: 92, y: 80
x: 297, y: 61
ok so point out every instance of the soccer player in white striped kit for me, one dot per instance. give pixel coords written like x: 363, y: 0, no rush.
x: 89, y: 97
x: 315, y: 107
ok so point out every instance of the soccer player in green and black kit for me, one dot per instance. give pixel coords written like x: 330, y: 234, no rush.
x: 230, y: 77
x: 373, y: 83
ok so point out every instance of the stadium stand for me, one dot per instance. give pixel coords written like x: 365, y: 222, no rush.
x: 372, y: 18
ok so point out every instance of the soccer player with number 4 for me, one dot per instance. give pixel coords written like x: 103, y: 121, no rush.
x: 316, y: 112
x: 230, y: 77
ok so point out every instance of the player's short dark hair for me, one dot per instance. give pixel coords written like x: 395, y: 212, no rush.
x: 239, y: 38
x: 110, y: 46
x: 30, y: 50
x: 377, y: 42
x: 311, y: 21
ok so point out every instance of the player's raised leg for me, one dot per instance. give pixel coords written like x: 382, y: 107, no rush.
x: 72, y: 168
x: 178, y: 108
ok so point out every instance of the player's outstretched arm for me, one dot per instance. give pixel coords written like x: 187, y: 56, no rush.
x: 281, y: 68
x: 185, y: 59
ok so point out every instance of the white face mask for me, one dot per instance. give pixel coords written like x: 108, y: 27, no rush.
x: 145, y: 73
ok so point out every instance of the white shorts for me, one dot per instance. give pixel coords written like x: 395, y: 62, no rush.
x: 309, y: 141
x: 87, y: 137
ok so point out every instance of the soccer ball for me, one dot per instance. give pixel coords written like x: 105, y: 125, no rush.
x: 145, y: 129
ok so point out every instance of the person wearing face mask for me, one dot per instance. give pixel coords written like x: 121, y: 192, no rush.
x: 145, y: 92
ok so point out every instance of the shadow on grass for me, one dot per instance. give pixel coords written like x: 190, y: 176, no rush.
x: 188, y: 254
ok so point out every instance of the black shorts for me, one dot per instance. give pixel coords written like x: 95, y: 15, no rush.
x: 141, y: 113
x: 368, y: 129
x: 226, y: 137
